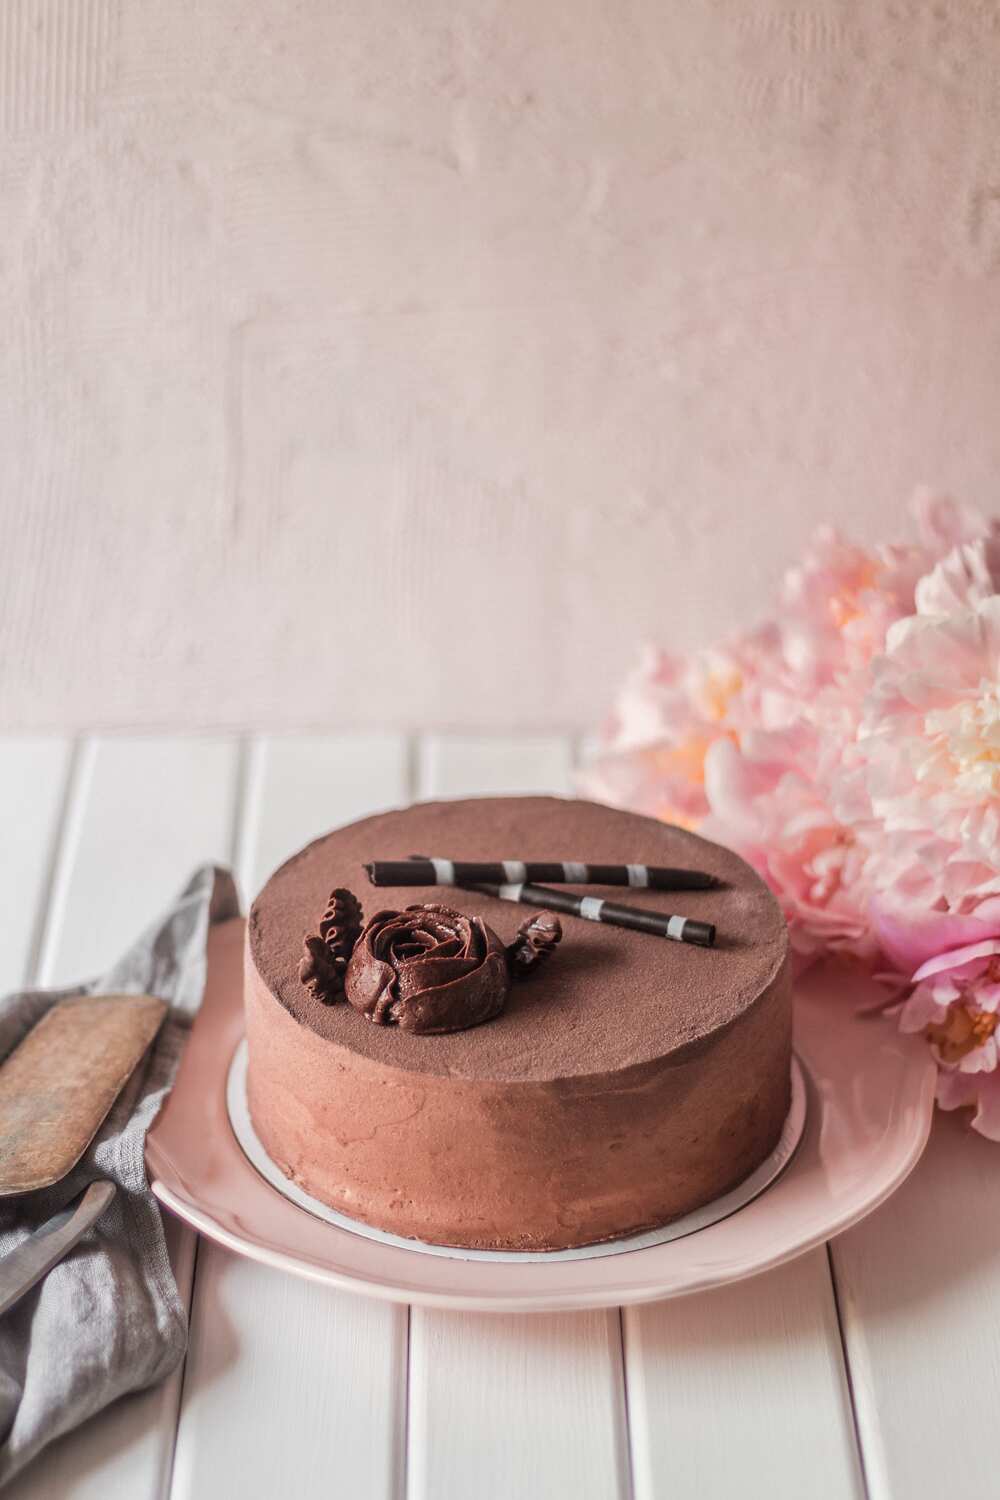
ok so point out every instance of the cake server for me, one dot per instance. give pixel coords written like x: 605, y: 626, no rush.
x: 60, y: 1081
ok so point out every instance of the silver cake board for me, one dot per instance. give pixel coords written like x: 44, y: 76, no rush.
x: 710, y: 1213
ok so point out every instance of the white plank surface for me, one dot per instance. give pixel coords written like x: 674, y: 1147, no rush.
x: 516, y: 1406
x: 451, y: 765
x: 298, y: 788
x: 313, y: 1381
x: 919, y: 1286
x: 146, y: 812
x: 742, y: 1391
x: 33, y: 776
x: 291, y: 1386
x: 142, y: 814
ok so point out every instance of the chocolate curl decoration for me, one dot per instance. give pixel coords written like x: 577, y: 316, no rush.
x: 428, y: 969
x: 537, y: 938
x: 327, y: 953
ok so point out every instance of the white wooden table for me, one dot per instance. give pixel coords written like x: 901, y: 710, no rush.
x: 872, y: 1366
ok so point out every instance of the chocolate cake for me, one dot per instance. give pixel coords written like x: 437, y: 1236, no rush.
x: 627, y: 1081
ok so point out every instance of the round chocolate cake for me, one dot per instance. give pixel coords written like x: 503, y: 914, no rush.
x: 627, y: 1081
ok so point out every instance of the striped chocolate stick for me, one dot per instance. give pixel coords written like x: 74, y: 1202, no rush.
x: 420, y: 870
x: 593, y: 909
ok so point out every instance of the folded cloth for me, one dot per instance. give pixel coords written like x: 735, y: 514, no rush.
x: 108, y: 1319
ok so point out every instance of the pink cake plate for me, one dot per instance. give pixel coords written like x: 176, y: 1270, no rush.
x: 870, y: 1097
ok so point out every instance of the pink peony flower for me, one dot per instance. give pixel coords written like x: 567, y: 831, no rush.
x: 671, y: 711
x: 774, y: 815
x: 930, y: 737
x: 968, y: 576
x: 838, y: 603
x: 909, y: 937
x: 955, y: 1003
x: 849, y: 748
x: 657, y: 738
x: 942, y: 523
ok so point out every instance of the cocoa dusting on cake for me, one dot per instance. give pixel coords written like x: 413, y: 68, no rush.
x: 327, y: 952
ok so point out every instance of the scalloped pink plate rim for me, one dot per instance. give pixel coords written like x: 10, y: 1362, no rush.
x: 870, y: 1105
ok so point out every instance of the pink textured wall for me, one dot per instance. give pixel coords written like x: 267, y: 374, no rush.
x: 379, y: 362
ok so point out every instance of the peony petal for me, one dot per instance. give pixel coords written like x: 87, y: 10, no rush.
x: 955, y: 1090
x: 943, y: 523
x: 987, y: 1117
x: 922, y: 1009
x: 987, y: 996
x: 958, y: 960
x: 981, y: 1059
x: 967, y: 576
x: 910, y: 939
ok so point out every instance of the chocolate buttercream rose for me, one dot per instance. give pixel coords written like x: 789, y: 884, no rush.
x: 428, y: 969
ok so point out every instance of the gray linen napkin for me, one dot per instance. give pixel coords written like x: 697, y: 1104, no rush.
x: 108, y: 1318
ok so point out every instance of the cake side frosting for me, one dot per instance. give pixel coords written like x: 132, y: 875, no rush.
x: 517, y: 1166
x: 624, y: 1087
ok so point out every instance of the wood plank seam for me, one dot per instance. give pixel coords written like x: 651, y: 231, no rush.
x: 863, y: 1459
x: 413, y: 753
x: 70, y: 831
x: 30, y: 978
x: 249, y: 769
x: 628, y: 1462
x: 582, y: 746
x: 237, y: 841
x: 404, y: 1456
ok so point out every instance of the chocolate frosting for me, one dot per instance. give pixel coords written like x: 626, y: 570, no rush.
x: 428, y: 969
x: 614, y: 1000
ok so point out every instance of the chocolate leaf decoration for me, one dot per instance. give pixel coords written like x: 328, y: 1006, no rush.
x: 537, y: 938
x: 327, y: 952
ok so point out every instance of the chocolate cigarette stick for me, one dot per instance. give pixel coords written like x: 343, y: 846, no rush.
x: 592, y: 909
x: 423, y: 871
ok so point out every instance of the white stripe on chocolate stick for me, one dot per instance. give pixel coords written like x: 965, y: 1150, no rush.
x: 515, y: 871
x: 590, y: 908
x: 675, y: 929
x: 510, y: 892
x: 575, y: 874
x: 638, y: 876
x: 444, y: 871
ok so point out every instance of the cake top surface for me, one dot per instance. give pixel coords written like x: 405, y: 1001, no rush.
x: 609, y: 998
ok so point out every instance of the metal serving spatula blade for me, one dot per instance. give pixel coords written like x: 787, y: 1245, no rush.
x: 35, y: 1257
